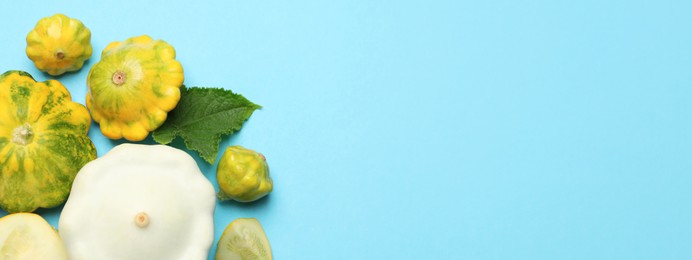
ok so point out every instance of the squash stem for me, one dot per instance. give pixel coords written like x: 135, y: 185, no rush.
x: 119, y: 77
x: 22, y: 134
x: 142, y: 219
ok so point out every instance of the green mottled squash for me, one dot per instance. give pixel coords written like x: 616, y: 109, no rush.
x: 43, y: 142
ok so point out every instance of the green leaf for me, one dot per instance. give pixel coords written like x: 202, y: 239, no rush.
x: 202, y: 116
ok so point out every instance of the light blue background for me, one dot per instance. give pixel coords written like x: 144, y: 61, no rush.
x: 436, y: 129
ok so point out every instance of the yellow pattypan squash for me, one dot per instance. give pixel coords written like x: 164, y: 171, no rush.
x: 59, y: 44
x: 133, y: 87
x: 43, y: 142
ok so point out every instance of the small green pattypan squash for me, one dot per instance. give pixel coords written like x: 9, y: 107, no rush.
x: 243, y: 175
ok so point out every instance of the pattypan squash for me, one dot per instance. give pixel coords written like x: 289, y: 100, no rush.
x: 133, y: 87
x: 43, y: 142
x: 243, y: 239
x: 29, y: 236
x: 139, y: 202
x: 243, y: 175
x: 59, y: 44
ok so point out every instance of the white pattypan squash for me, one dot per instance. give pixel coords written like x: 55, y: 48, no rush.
x: 139, y: 202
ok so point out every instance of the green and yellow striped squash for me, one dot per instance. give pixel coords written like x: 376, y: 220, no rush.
x: 59, y: 44
x: 43, y: 142
x: 133, y: 87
